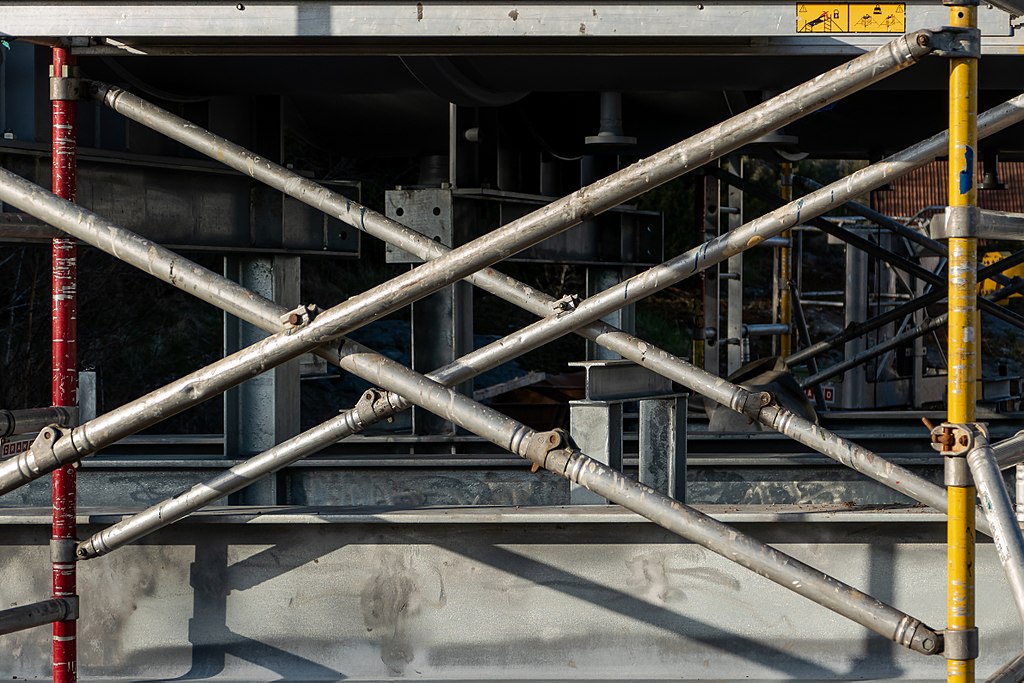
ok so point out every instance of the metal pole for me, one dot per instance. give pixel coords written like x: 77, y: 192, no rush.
x: 995, y: 501
x: 53, y: 611
x: 785, y: 254
x: 34, y: 419
x: 1010, y: 452
x: 962, y: 390
x: 65, y: 373
x: 805, y: 336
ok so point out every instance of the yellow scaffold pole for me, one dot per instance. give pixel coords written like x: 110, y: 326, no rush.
x: 786, y: 267
x: 961, y: 222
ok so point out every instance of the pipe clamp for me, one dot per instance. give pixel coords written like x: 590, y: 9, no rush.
x: 961, y: 644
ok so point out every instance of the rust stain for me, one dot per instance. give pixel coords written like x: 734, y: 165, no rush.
x: 583, y: 29
x: 419, y: 11
x: 514, y: 14
x: 755, y: 240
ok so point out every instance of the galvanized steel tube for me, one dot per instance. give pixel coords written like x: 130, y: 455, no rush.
x: 34, y: 419
x: 39, y: 614
x: 995, y: 502
x: 1010, y: 452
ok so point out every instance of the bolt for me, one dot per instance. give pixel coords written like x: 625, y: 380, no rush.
x: 923, y: 40
x: 928, y: 643
x: 239, y: 7
x: 766, y: 398
x: 294, y: 318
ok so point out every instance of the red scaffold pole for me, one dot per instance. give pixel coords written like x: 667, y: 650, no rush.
x: 65, y: 373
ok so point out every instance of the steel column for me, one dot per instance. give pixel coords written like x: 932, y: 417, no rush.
x: 662, y: 445
x: 65, y: 379
x: 963, y: 314
x: 734, y: 285
x: 785, y: 257
x: 596, y: 427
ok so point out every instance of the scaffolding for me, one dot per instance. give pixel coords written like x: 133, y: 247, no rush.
x: 970, y: 459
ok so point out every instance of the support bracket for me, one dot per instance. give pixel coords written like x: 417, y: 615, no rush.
x: 960, y: 645
x: 66, y: 86
x: 63, y: 550
x: 955, y: 42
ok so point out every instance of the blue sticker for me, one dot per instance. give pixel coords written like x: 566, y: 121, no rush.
x: 967, y: 175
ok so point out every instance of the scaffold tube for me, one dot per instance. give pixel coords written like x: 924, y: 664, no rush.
x: 962, y: 345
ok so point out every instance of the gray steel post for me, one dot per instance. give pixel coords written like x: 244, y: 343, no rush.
x: 734, y: 286
x: 38, y: 614
x: 596, y: 427
x: 663, y: 445
x: 995, y: 501
x: 713, y: 336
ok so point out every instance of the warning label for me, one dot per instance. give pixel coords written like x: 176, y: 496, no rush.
x: 850, y: 17
x: 11, y: 446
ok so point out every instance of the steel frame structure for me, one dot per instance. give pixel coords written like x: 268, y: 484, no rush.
x: 309, y: 328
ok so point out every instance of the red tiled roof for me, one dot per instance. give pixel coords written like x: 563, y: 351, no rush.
x: 927, y: 187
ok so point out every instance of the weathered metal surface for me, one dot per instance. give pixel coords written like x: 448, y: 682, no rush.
x: 489, y: 593
x: 191, y: 204
x: 406, y: 22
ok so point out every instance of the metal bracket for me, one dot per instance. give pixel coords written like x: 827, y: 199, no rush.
x: 958, y: 221
x: 960, y: 645
x: 63, y: 550
x: 955, y: 441
x: 42, y: 451
x: 67, y: 86
x: 754, y: 401
x: 955, y: 42
x: 543, y: 443
x: 302, y: 315
x: 567, y: 303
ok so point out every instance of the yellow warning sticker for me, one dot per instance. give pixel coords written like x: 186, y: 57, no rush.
x: 850, y: 17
